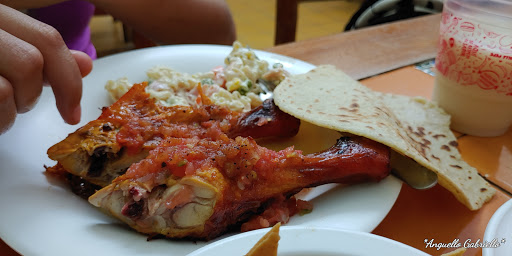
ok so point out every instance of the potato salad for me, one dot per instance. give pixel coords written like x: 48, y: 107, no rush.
x: 236, y: 84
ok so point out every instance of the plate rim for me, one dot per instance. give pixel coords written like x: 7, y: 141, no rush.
x: 305, y: 232
x: 493, y: 225
x: 20, y: 246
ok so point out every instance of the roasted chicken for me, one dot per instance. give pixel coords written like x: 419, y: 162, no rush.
x: 199, y: 188
x: 127, y: 130
x: 195, y: 172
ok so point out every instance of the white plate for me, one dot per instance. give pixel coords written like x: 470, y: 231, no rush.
x: 302, y: 241
x: 42, y: 217
x: 499, y: 232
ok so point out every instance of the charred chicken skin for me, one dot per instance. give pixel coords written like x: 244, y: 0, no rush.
x: 198, y: 188
x: 127, y: 130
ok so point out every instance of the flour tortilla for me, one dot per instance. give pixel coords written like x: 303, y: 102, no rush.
x: 412, y: 127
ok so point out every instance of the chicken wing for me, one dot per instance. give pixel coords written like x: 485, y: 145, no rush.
x: 127, y: 130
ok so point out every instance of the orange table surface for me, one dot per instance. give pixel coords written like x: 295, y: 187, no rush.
x: 491, y: 156
x: 420, y: 216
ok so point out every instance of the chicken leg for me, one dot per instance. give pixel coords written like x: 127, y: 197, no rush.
x: 199, y: 188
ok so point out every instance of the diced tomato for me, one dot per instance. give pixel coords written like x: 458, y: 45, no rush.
x: 280, y: 210
x: 218, y: 73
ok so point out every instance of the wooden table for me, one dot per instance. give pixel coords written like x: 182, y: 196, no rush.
x: 382, y: 56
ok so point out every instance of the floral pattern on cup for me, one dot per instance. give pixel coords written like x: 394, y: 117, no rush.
x: 474, y: 54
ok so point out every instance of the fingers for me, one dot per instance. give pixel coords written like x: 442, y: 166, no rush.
x: 84, y: 62
x: 60, y: 68
x: 7, y: 105
x: 62, y: 73
x: 22, y: 65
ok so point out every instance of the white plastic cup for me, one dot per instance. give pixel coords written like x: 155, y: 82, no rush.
x: 474, y: 66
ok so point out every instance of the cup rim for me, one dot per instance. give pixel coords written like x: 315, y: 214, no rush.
x: 490, y: 9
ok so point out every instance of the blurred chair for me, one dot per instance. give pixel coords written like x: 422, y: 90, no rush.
x: 286, y: 20
x: 132, y: 39
x: 372, y: 12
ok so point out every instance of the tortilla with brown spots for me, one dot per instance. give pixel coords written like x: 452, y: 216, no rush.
x: 413, y: 127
